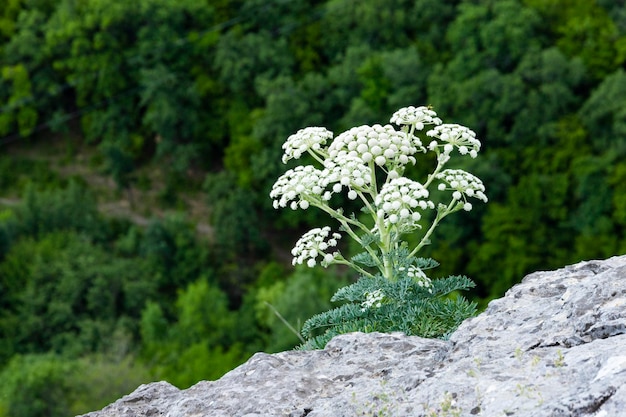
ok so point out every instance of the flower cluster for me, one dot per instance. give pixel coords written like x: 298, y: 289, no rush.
x: 351, y: 163
x: 373, y: 299
x: 313, y: 244
x: 381, y: 144
x: 345, y: 171
x: 464, y: 184
x: 419, y: 276
x: 398, y: 201
x: 295, y: 184
x: 416, y: 116
x: 454, y: 135
x: 305, y: 139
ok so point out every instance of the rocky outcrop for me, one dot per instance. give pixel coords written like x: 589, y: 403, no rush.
x: 555, y: 345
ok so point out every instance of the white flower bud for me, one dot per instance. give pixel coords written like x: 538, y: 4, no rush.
x: 303, y: 140
x: 389, y: 153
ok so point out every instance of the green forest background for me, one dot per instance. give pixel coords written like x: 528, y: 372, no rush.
x: 139, y: 141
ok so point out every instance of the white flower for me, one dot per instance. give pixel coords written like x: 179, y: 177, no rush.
x: 305, y: 139
x: 381, y: 144
x: 295, y: 186
x: 345, y: 171
x: 373, y: 299
x: 463, y: 185
x: 399, y: 201
x: 420, y: 277
x: 418, y: 116
x: 454, y: 135
x: 314, y: 244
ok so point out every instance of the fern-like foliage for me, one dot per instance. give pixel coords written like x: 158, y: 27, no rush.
x: 406, y: 305
x: 364, y: 259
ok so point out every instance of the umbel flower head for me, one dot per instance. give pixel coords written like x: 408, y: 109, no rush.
x: 416, y: 116
x: 303, y: 140
x: 295, y: 185
x: 345, y: 171
x: 316, y: 243
x: 381, y: 144
x: 463, y: 184
x: 418, y: 275
x: 451, y: 136
x: 373, y: 299
x: 399, y: 202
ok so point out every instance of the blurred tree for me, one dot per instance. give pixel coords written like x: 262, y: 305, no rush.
x: 237, y: 232
x: 15, y: 112
x: 69, y: 208
x: 71, y: 295
x: 8, y: 16
x: 172, y: 248
x: 30, y: 88
x: 381, y: 24
x: 8, y: 226
x: 199, y: 343
x: 35, y: 386
x: 49, y: 385
x: 296, y: 297
x: 604, y: 114
x: 130, y: 70
x: 583, y: 28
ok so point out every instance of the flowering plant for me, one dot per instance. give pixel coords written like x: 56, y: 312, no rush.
x: 367, y: 164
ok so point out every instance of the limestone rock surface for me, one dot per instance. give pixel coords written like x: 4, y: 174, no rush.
x: 554, y: 345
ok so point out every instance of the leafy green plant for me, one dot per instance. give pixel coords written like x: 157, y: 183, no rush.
x: 199, y: 343
x: 36, y: 386
x: 367, y: 164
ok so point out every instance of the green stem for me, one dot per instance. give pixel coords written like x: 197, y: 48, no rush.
x: 345, y: 222
x: 344, y: 261
x: 285, y: 322
x: 340, y: 217
x: 384, y: 244
x: 440, y: 216
x: 314, y: 154
x: 440, y: 165
x: 385, y: 247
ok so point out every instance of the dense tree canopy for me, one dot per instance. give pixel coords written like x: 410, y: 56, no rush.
x: 207, y: 91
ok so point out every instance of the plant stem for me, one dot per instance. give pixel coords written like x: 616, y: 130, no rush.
x: 285, y: 322
x: 345, y: 222
x: 440, y: 216
x: 344, y: 261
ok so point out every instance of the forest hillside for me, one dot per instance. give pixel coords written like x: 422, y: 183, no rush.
x: 139, y: 141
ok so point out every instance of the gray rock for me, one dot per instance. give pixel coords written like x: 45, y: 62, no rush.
x: 554, y: 345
